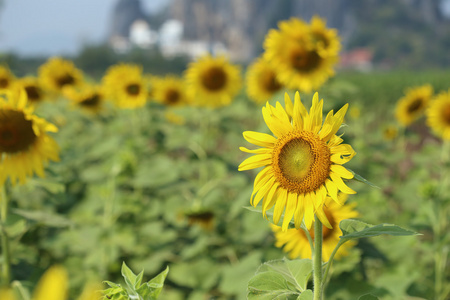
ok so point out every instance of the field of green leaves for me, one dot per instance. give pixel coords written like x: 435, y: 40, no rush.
x: 158, y: 187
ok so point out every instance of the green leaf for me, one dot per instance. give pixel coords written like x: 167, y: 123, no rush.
x: 157, y: 283
x: 306, y: 295
x: 353, y: 229
x: 362, y: 179
x: 43, y: 217
x: 270, y: 286
x: 368, y: 297
x: 129, y: 276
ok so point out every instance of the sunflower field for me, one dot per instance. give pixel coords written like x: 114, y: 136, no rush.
x: 282, y: 179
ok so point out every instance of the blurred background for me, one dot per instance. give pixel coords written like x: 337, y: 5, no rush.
x: 376, y: 34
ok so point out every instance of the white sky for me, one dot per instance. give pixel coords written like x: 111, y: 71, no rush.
x: 52, y: 27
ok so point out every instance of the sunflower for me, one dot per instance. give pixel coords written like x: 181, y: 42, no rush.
x: 326, y: 40
x: 296, y: 243
x: 6, y: 77
x: 126, y: 86
x: 301, y: 62
x: 25, y: 146
x: 170, y: 91
x: 57, y: 73
x: 413, y: 104
x: 89, y: 97
x: 203, y: 217
x: 438, y: 115
x: 213, y: 81
x: 302, y: 161
x: 33, y: 88
x: 261, y: 80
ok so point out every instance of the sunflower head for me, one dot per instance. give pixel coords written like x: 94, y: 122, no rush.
x: 88, y: 97
x: 202, y: 217
x: 58, y: 73
x: 6, y: 77
x: 25, y: 146
x: 296, y: 243
x: 302, y: 161
x: 261, y: 81
x: 53, y: 285
x: 171, y: 91
x: 412, y: 106
x: 438, y: 115
x: 302, y: 55
x: 126, y: 86
x: 33, y: 88
x: 213, y: 81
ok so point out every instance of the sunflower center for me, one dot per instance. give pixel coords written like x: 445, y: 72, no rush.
x: 320, y: 37
x: 133, y: 89
x: 214, y: 78
x: 446, y: 114
x: 271, y: 83
x: 303, y: 60
x: 301, y: 162
x: 33, y: 93
x: 16, y: 132
x: 415, y: 105
x: 66, y: 79
x: 4, y: 82
x: 91, y: 101
x: 172, y: 96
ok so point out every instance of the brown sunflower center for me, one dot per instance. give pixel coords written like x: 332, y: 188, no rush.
x: 270, y: 82
x: 326, y: 232
x: 33, y: 93
x: 91, y: 101
x: 415, y: 105
x: 66, y: 79
x: 214, y: 78
x: 16, y: 132
x: 172, y: 96
x: 446, y: 114
x: 320, y: 37
x: 304, y: 60
x: 4, y: 82
x: 133, y: 89
x: 301, y: 162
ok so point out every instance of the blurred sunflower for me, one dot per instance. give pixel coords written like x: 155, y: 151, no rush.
x: 300, y: 61
x: 203, y: 217
x: 125, y: 86
x: 302, y: 161
x: 33, y: 88
x: 6, y: 77
x: 170, y: 91
x: 412, y: 106
x: 296, y: 243
x: 261, y: 80
x: 57, y: 73
x: 25, y: 146
x: 213, y: 81
x: 326, y: 40
x: 89, y: 97
x: 438, y: 115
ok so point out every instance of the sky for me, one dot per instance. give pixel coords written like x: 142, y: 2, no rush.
x: 57, y: 27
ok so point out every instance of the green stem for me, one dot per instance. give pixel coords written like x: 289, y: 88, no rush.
x: 317, y: 259
x: 308, y: 236
x: 6, y: 269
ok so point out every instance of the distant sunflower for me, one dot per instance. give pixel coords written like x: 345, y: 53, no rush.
x: 170, y: 91
x: 57, y: 73
x: 300, y: 61
x: 325, y: 39
x: 202, y: 217
x: 213, y: 81
x: 25, y: 146
x: 6, y: 77
x: 302, y: 161
x: 296, y: 244
x: 88, y: 97
x: 438, y: 115
x: 412, y: 106
x: 33, y: 88
x: 261, y: 80
x: 125, y: 86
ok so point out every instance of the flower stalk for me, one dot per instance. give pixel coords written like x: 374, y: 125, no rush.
x: 6, y: 267
x: 317, y: 258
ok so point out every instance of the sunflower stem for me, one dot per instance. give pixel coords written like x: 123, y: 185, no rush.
x: 317, y: 259
x: 6, y: 269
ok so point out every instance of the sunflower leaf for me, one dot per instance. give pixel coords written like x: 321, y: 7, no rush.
x: 306, y: 295
x: 368, y: 297
x: 359, y: 178
x: 354, y: 229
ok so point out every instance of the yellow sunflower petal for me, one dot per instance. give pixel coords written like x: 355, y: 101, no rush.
x: 340, y: 184
x: 263, y: 191
x: 341, y: 171
x: 259, y: 139
x: 332, y: 190
x: 299, y: 212
x: 280, y: 205
x: 290, y: 210
x: 323, y: 217
x: 338, y: 118
x: 274, y: 125
x: 255, y: 161
x: 256, y: 151
x: 270, y: 199
x: 288, y: 104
